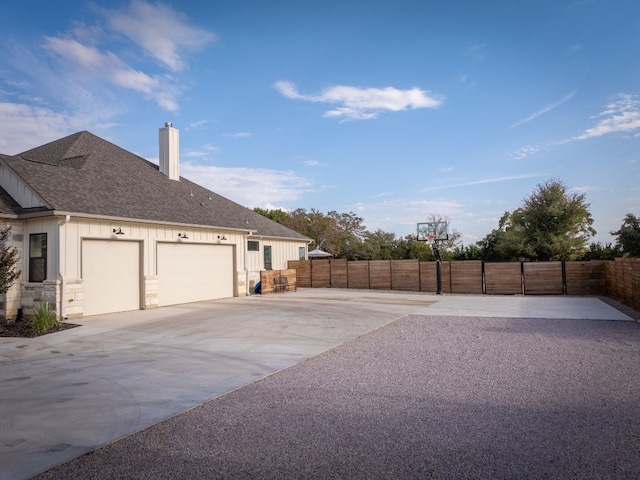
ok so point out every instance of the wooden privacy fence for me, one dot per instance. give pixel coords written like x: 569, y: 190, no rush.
x: 465, y: 277
x: 622, y: 281
x: 267, y: 280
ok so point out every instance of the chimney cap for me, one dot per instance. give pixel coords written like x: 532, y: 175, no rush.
x: 168, y: 124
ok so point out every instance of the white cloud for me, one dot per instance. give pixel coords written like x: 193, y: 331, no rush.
x: 585, y: 189
x: 622, y: 115
x: 545, y: 109
x: 486, y: 181
x: 313, y: 163
x: 477, y: 52
x: 206, y: 151
x: 28, y: 126
x: 248, y: 186
x: 80, y: 73
x: 198, y: 124
x: 524, y: 152
x: 237, y: 135
x: 400, y: 216
x: 160, y: 30
x: 357, y: 103
x: 90, y: 62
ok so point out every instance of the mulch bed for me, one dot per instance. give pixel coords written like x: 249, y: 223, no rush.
x: 22, y: 329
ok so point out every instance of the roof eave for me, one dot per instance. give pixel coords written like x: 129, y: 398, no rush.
x: 61, y: 213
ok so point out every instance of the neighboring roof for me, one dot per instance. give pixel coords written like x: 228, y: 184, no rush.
x: 84, y: 174
x: 317, y: 253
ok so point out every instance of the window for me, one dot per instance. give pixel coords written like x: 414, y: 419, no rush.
x: 267, y: 257
x: 302, y: 253
x: 253, y: 246
x: 37, y: 257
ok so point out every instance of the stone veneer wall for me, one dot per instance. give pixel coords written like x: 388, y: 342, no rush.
x: 242, y: 283
x: 73, y: 299
x: 34, y: 293
x: 150, y: 291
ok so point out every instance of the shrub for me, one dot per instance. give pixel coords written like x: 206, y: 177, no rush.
x: 43, y: 318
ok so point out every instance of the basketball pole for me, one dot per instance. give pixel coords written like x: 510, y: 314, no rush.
x: 436, y: 252
x: 432, y: 233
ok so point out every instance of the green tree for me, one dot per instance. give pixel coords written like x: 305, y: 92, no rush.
x: 346, y: 232
x: 597, y: 251
x: 628, y: 236
x: 503, y: 244
x: 9, y: 258
x: 276, y: 215
x: 344, y: 235
x: 466, y: 252
x: 340, y: 234
x: 551, y: 224
x: 378, y: 245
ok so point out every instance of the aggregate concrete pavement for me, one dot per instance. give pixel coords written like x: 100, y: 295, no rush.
x: 71, y: 392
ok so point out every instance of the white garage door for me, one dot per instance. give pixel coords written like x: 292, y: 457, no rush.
x: 193, y: 273
x: 111, y: 276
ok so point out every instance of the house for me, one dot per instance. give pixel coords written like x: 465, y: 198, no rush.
x: 102, y: 230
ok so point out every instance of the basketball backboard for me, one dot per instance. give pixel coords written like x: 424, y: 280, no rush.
x: 430, y: 231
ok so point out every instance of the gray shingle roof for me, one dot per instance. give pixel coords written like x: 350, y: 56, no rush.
x: 8, y: 205
x: 83, y: 173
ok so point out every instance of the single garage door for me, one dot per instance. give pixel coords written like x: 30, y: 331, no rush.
x: 111, y: 276
x: 193, y: 273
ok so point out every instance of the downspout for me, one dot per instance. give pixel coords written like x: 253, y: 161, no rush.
x: 245, y: 247
x: 62, y: 258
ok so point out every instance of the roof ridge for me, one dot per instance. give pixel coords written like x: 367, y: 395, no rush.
x: 53, y: 150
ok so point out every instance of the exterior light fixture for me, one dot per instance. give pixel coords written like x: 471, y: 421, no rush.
x: 221, y: 237
x: 183, y: 235
x: 118, y: 231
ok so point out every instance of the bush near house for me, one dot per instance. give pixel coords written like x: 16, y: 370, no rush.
x: 9, y: 257
x: 43, y: 318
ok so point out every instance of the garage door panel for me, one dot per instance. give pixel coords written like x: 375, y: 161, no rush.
x: 111, y: 276
x: 193, y: 273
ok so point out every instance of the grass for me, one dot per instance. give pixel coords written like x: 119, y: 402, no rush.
x: 43, y: 318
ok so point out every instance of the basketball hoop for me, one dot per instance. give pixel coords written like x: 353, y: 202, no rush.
x: 433, y: 233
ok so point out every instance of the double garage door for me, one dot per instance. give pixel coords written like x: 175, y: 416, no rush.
x: 112, y: 274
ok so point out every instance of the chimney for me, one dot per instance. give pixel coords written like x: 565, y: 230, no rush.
x: 169, y: 151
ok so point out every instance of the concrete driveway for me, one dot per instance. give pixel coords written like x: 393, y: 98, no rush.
x: 68, y: 393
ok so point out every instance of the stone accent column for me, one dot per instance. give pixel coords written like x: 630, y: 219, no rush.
x: 241, y: 281
x: 150, y: 291
x: 74, y: 306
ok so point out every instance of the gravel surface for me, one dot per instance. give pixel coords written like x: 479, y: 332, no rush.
x: 423, y: 397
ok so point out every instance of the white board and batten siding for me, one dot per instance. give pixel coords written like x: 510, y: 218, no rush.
x: 18, y: 189
x: 111, y: 271
x: 281, y: 252
x: 201, y: 267
x: 194, y: 272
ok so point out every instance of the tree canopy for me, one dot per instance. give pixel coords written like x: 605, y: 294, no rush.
x: 551, y: 224
x: 344, y: 235
x: 628, y: 236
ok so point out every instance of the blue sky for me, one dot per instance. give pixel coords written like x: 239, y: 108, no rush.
x: 392, y: 110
